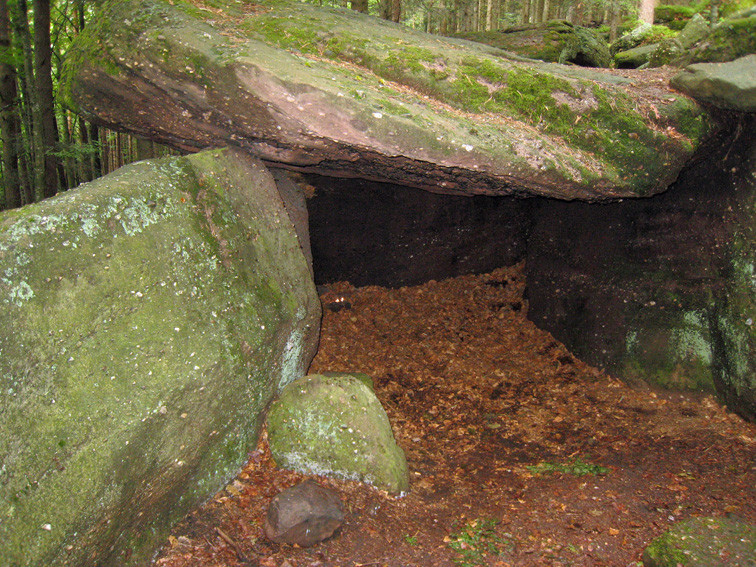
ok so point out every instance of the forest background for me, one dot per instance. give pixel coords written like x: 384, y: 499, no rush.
x: 46, y: 148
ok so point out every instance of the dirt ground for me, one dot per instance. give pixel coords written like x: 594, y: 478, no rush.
x: 519, y: 454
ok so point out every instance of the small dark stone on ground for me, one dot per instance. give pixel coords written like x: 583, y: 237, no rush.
x: 304, y: 515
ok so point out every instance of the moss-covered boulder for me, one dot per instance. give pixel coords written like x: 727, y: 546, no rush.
x: 643, y: 34
x: 673, y: 16
x: 704, y: 542
x: 336, y: 92
x: 147, y: 320
x: 631, y: 39
x: 730, y: 85
x: 556, y: 41
x: 635, y: 57
x: 334, y: 425
x: 729, y: 40
x: 677, y: 50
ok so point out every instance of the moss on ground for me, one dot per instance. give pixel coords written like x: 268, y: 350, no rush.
x: 703, y: 542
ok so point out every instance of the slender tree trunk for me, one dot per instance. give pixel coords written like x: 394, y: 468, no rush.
x: 10, y: 123
x: 118, y: 152
x: 102, y: 134
x: 20, y: 20
x: 526, y: 11
x: 614, y: 19
x: 94, y: 139
x: 395, y: 10
x: 714, y: 12
x: 84, y: 161
x: 47, y: 138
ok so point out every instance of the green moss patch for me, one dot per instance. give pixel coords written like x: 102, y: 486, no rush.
x: 148, y: 318
x: 703, y: 542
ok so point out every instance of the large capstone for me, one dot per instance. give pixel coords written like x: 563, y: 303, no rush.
x: 147, y: 320
x: 339, y: 93
x: 335, y: 426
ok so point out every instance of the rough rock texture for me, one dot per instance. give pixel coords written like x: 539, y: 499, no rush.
x: 304, y: 515
x: 704, y: 542
x: 147, y: 319
x: 295, y: 202
x: 733, y: 38
x: 555, y: 41
x: 333, y: 91
x: 730, y: 85
x: 660, y: 289
x: 371, y: 233
x: 334, y: 425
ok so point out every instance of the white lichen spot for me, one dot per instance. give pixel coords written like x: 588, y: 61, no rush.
x: 377, y: 115
x: 467, y: 147
x: 292, y: 363
x: 21, y: 293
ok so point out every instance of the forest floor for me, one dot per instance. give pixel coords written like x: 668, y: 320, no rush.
x: 519, y: 454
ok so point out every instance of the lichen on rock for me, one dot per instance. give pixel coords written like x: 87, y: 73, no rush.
x: 147, y: 319
x: 335, y: 426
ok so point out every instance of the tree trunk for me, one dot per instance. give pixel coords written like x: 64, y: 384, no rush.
x: 614, y: 19
x: 526, y: 12
x: 646, y: 11
x: 10, y: 122
x: 96, y: 160
x: 47, y: 137
x: 714, y: 12
x: 85, y: 163
x: 360, y: 6
x: 20, y: 20
x: 102, y: 135
x: 395, y: 10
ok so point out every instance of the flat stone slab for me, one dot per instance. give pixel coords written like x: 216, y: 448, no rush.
x: 730, y: 85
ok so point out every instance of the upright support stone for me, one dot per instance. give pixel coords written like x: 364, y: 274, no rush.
x: 146, y: 321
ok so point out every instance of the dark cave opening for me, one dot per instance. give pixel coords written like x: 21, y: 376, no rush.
x: 635, y: 287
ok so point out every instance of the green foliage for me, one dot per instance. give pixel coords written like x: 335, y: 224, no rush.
x: 476, y: 541
x: 575, y: 466
x: 411, y: 540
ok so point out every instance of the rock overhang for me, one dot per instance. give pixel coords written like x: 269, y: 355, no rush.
x: 338, y: 93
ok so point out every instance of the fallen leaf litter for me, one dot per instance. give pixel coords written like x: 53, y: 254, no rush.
x: 502, y: 427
